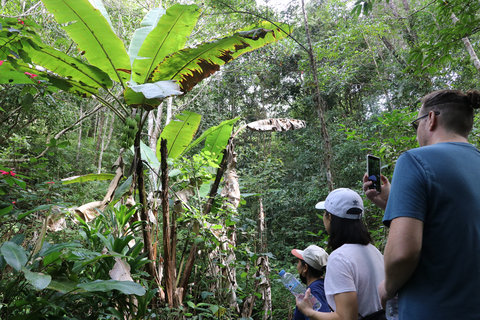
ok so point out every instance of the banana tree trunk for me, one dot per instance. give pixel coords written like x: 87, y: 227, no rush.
x: 231, y: 191
x: 146, y: 230
x: 169, y: 235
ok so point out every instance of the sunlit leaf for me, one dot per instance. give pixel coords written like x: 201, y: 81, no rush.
x: 179, y: 133
x: 94, y: 36
x: 190, y: 66
x: 168, y: 36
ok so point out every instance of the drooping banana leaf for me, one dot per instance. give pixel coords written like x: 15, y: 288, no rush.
x: 190, y: 66
x: 148, y: 23
x: 253, y: 35
x: 8, y: 74
x: 91, y: 31
x: 66, y: 66
x: 216, y: 138
x: 71, y: 86
x: 179, y: 133
x: 169, y: 35
x: 138, y: 100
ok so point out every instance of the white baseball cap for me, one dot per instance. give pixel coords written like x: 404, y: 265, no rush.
x: 340, y: 202
x: 313, y: 255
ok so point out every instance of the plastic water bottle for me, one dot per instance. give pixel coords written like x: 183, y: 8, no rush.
x: 297, y: 288
x: 391, y: 311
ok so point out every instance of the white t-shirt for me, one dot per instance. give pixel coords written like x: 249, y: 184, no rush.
x: 355, y: 267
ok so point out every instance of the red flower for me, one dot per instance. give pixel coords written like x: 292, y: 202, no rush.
x: 2, y: 61
x: 48, y: 200
x: 32, y: 75
x: 13, y: 174
x: 4, y: 172
x: 14, y: 203
x: 21, y: 21
x: 50, y: 182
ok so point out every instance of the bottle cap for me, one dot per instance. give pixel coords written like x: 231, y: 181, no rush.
x: 281, y: 273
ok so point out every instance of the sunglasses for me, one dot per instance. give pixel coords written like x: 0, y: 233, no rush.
x: 414, y: 123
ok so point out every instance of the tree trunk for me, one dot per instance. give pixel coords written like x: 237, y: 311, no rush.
x: 102, y: 138
x: 169, y: 234
x: 320, y: 104
x: 153, y: 133
x: 169, y: 110
x: 263, y: 272
x: 99, y: 136
x: 79, y: 144
x: 469, y: 47
x: 146, y: 230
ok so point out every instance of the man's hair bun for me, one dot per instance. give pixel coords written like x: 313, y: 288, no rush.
x: 474, y: 97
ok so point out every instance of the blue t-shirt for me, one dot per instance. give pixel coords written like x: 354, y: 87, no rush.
x: 440, y: 185
x: 317, y: 289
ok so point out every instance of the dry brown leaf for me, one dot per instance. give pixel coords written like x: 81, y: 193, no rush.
x: 276, y: 125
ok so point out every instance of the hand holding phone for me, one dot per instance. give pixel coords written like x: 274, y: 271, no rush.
x: 373, y: 172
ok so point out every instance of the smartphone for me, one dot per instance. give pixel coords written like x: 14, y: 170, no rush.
x: 373, y: 172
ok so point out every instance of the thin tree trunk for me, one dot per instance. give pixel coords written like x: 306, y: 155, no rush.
x: 102, y: 139
x: 320, y: 104
x: 469, y: 47
x: 79, y: 144
x: 169, y: 110
x: 263, y: 272
x: 147, y: 235
x: 99, y: 136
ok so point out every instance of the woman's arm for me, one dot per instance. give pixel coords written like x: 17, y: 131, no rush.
x: 346, y: 303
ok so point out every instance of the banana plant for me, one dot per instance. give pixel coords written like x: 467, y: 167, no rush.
x: 156, y: 65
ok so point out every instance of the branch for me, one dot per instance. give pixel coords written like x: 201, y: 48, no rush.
x: 262, y: 17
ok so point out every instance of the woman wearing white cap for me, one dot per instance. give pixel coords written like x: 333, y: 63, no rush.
x: 355, y: 267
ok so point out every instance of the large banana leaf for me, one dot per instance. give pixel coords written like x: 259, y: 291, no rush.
x: 190, y: 66
x: 66, y: 66
x: 179, y: 133
x: 169, y: 35
x: 93, y: 34
x: 148, y: 23
x: 256, y: 39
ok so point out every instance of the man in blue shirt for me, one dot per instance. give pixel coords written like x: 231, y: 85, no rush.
x: 311, y: 267
x: 432, y: 255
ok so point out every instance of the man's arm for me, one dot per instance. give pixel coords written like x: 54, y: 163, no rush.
x: 401, y: 256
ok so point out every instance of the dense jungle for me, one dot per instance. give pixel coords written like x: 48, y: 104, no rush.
x: 160, y: 159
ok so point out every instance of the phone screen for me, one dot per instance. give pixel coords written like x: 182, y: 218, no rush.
x: 373, y: 171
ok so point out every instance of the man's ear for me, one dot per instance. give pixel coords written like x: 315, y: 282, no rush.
x: 432, y: 121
